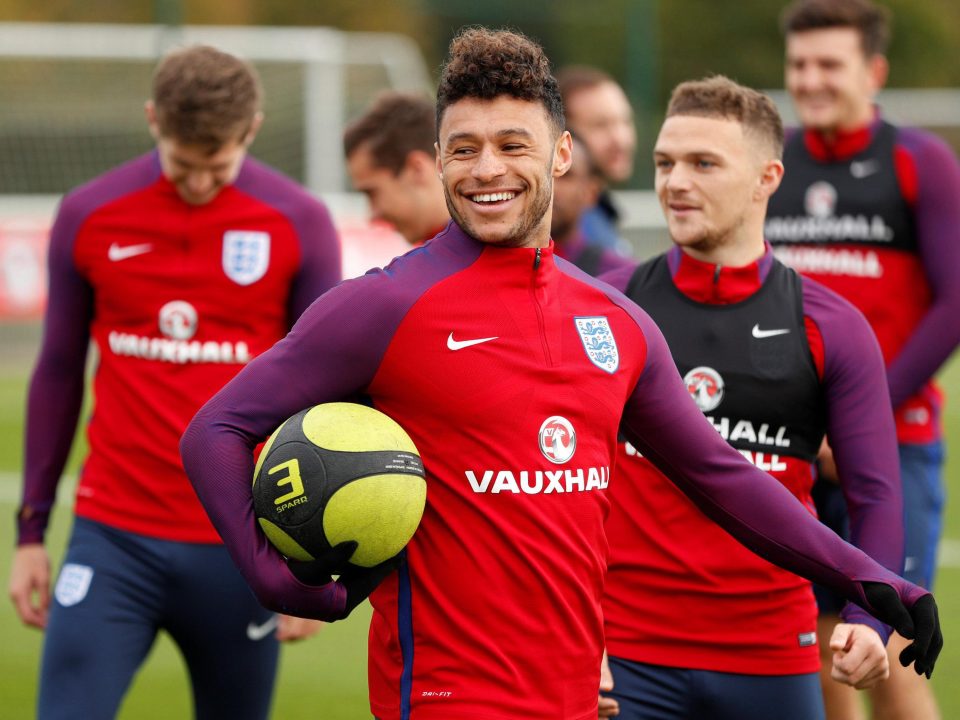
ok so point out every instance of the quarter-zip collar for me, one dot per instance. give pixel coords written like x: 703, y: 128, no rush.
x: 845, y: 143
x: 717, y: 284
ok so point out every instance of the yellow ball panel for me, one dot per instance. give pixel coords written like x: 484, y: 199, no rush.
x: 266, y: 449
x: 380, y: 512
x: 354, y: 428
x: 283, y: 542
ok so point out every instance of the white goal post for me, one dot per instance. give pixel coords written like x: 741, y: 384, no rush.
x: 332, y: 73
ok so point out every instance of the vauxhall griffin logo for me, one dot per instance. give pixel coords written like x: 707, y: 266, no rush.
x: 820, y: 200
x: 178, y: 320
x: 558, y: 440
x: 705, y: 387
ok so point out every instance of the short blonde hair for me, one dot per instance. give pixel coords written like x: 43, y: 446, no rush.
x: 720, y: 97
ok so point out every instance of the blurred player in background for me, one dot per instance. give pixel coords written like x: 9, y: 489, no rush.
x: 598, y: 111
x: 574, y: 194
x: 774, y: 361
x: 181, y: 265
x: 512, y: 371
x: 391, y: 159
x: 871, y: 211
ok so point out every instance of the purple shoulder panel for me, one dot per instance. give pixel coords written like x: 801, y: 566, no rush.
x: 861, y: 431
x: 611, y: 261
x: 55, y: 396
x: 332, y: 354
x: 937, y: 218
x: 321, y: 265
x: 123, y: 180
x: 619, y: 278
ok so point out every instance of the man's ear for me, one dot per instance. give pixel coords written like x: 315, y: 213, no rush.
x: 150, y: 111
x: 770, y: 179
x: 255, y: 126
x: 878, y: 69
x: 420, y: 166
x: 563, y: 154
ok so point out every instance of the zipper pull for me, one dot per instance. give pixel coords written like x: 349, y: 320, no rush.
x: 716, y: 275
x: 536, y: 259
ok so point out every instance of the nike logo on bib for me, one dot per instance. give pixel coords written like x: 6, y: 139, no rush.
x: 760, y: 334
x: 461, y: 344
x: 259, y: 632
x: 117, y: 252
x: 864, y: 168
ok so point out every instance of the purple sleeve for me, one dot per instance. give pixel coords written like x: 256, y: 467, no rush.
x: 332, y: 353
x: 321, y: 264
x: 664, y: 423
x: 217, y: 448
x: 56, y: 386
x: 861, y: 432
x: 611, y: 262
x: 320, y: 261
x: 619, y: 277
x: 56, y: 389
x: 937, y: 214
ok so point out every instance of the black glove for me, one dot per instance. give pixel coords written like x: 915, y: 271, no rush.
x: 920, y: 623
x: 359, y: 581
x: 319, y: 570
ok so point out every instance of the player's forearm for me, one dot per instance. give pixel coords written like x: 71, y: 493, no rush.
x: 860, y: 427
x: 53, y: 408
x: 217, y: 450
x: 56, y: 390
x: 218, y: 458
x: 937, y: 221
x: 932, y: 343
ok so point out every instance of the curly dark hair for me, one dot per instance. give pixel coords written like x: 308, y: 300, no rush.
x: 871, y: 21
x: 485, y: 64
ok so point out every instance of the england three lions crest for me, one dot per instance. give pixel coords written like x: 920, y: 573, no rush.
x: 246, y: 255
x: 599, y: 343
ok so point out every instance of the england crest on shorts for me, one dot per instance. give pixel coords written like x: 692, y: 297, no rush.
x: 73, y: 584
x: 246, y: 255
x: 599, y: 343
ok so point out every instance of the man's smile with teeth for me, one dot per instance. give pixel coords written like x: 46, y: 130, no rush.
x: 493, y: 197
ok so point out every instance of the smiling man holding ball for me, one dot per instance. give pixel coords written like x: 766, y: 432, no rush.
x: 511, y: 371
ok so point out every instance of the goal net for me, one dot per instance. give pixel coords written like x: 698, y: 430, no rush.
x: 73, y: 95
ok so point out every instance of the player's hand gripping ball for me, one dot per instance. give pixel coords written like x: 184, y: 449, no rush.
x: 339, y: 473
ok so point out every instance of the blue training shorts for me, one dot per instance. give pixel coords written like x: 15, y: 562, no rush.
x: 924, y: 497
x: 116, y: 590
x: 654, y: 692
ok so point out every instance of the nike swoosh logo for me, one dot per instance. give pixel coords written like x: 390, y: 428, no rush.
x: 461, y: 344
x: 259, y: 632
x: 117, y: 252
x: 760, y: 334
x: 864, y: 168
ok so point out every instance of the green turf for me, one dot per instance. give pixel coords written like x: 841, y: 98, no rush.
x: 324, y: 677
